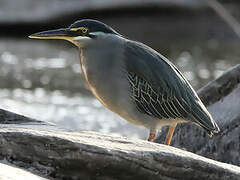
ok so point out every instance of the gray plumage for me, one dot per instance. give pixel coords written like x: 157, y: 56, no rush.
x: 132, y: 79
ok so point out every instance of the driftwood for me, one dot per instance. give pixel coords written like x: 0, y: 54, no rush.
x: 8, y: 172
x: 222, y: 98
x: 55, y: 153
x: 88, y: 155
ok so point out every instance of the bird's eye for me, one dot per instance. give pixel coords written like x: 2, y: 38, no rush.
x: 84, y: 30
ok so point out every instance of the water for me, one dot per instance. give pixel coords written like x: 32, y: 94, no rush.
x: 41, y: 79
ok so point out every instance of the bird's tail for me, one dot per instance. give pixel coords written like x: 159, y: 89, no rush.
x: 204, y: 119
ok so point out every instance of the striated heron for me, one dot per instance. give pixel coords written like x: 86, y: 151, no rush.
x: 133, y: 80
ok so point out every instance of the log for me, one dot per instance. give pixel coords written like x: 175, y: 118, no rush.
x: 7, y: 117
x: 89, y: 155
x: 8, y: 172
x: 222, y: 100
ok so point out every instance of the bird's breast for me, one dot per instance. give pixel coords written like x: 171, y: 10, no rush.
x: 91, y: 85
x: 107, y: 79
x: 100, y: 80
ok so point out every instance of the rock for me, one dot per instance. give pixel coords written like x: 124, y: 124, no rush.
x: 222, y: 99
x: 8, y: 172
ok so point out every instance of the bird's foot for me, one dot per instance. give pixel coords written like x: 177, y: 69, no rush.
x: 152, y: 134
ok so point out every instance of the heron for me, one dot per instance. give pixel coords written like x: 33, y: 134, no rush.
x: 133, y: 80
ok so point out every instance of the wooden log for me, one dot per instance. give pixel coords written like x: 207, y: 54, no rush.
x: 89, y: 155
x: 8, y: 172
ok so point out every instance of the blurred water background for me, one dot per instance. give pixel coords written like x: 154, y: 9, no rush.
x: 42, y: 79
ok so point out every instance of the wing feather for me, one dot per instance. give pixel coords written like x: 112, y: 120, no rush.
x: 161, y: 90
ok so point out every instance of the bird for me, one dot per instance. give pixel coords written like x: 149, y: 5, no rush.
x: 132, y: 79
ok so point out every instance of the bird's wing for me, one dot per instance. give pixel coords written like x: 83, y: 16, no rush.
x: 159, y: 89
x: 153, y: 103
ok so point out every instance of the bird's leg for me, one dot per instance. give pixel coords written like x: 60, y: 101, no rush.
x: 170, y: 133
x: 152, y: 134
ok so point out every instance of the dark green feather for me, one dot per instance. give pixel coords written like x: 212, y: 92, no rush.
x: 167, y: 81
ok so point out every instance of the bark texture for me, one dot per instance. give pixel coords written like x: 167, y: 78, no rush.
x: 8, y: 172
x: 89, y: 155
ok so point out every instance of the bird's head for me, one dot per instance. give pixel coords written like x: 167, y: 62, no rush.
x: 79, y: 33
